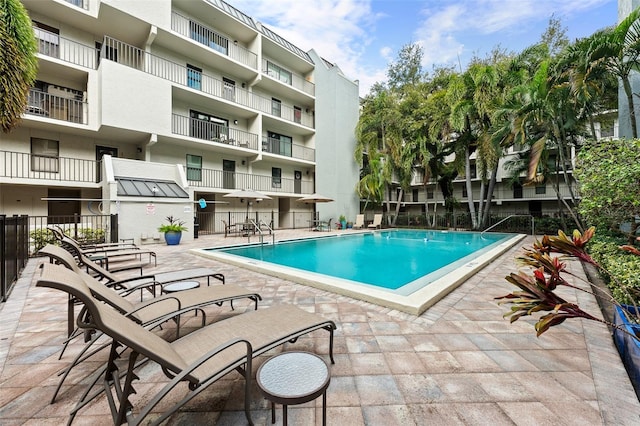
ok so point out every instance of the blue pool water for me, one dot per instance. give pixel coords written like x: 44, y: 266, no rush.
x: 386, y: 259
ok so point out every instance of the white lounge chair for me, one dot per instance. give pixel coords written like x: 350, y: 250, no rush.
x: 377, y: 222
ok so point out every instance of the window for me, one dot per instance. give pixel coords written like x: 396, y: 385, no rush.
x: 208, y: 127
x: 297, y: 114
x: 278, y: 73
x: 276, y: 177
x: 541, y: 189
x: 430, y: 195
x: 44, y: 155
x: 229, y: 90
x: 194, y: 77
x: 194, y: 167
x: 276, y: 107
x: 465, y: 194
x: 415, y: 195
x: 48, y: 39
x: 279, y: 144
x: 606, y: 130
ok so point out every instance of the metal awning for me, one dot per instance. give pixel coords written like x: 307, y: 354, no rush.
x: 136, y: 187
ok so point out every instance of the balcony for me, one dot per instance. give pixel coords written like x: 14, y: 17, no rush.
x: 51, y: 44
x: 288, y: 149
x: 56, y: 107
x: 213, y: 39
x: 133, y: 57
x: 205, y: 130
x: 218, y: 179
x: 288, y: 78
x: 21, y: 165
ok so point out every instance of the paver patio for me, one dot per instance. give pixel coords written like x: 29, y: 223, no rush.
x: 458, y: 363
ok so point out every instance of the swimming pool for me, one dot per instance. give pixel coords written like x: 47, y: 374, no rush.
x: 404, y: 269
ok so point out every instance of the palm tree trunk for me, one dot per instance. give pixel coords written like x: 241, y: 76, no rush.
x: 632, y: 111
x: 472, y: 206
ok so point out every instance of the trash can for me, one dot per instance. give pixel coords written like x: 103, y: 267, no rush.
x: 196, y: 227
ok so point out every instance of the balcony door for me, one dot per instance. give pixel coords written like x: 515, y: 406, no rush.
x: 208, y: 127
x: 228, y: 174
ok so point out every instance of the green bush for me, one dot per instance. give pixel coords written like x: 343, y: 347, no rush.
x: 40, y: 238
x: 624, y: 266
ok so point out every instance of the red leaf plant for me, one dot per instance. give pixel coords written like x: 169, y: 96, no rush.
x: 537, y: 288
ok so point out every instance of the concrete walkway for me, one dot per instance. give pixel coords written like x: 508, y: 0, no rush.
x: 458, y: 363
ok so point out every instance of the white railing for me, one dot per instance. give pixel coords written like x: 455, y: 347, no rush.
x: 51, y: 44
x: 46, y: 105
x: 213, y: 39
x: 288, y: 77
x: 134, y: 57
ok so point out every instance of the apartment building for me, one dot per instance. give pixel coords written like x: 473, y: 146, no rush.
x: 146, y: 107
x: 510, y: 196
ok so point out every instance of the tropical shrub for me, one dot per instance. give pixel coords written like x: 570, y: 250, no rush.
x: 537, y: 288
x: 609, y: 178
x: 41, y: 237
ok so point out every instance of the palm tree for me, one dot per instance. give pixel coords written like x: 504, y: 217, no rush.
x: 18, y: 62
x: 617, y: 50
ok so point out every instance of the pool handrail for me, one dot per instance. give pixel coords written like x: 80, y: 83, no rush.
x: 509, y: 217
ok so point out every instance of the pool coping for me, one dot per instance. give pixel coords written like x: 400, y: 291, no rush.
x: 415, y: 303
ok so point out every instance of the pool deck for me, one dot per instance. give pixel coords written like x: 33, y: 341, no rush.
x: 458, y: 363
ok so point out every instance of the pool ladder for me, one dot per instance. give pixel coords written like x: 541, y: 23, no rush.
x: 258, y: 227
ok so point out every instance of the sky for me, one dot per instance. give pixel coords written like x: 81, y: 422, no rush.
x: 363, y: 37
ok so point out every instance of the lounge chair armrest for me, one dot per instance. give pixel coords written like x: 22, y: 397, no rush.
x: 155, y: 302
x: 221, y: 372
x: 128, y: 290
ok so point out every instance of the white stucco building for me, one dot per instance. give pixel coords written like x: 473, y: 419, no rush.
x: 145, y: 107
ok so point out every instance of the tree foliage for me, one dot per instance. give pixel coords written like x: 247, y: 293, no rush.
x: 609, y: 176
x: 18, y: 63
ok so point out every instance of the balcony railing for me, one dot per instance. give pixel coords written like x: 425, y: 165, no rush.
x: 21, y: 165
x: 218, y: 179
x: 214, y: 40
x: 133, y: 57
x: 206, y: 130
x: 56, y: 107
x: 287, y: 77
x: 51, y: 44
x: 276, y: 146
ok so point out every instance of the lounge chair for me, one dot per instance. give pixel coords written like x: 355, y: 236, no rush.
x: 228, y: 229
x: 59, y: 233
x: 153, y: 312
x: 107, y: 254
x: 377, y: 222
x: 128, y: 285
x: 199, y: 358
x: 359, y: 224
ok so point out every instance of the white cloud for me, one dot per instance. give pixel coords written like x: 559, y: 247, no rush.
x: 449, y: 30
x: 339, y: 30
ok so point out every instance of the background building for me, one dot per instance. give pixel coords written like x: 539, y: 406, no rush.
x: 143, y: 108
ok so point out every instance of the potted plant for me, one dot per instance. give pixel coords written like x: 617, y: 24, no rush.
x: 343, y: 222
x: 172, y: 230
x: 537, y: 294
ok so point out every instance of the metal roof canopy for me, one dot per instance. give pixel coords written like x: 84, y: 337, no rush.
x: 136, y: 187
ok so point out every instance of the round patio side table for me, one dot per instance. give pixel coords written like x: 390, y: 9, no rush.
x: 180, y: 286
x: 292, y: 378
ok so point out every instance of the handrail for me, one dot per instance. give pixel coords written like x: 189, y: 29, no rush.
x: 509, y: 217
x: 258, y: 228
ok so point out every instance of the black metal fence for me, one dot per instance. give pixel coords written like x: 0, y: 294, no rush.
x: 14, y: 251
x: 512, y: 223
